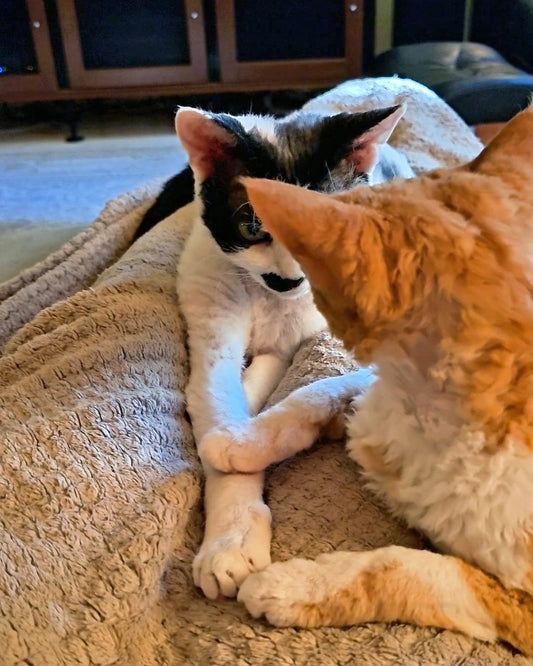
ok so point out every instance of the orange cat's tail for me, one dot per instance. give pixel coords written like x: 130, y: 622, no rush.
x: 391, y: 584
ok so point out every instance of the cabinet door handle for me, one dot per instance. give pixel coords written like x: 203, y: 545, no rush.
x: 36, y: 24
x: 194, y: 15
x: 352, y: 7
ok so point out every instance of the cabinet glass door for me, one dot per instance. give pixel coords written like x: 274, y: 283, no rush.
x: 133, y: 42
x: 289, y: 40
x: 26, y: 61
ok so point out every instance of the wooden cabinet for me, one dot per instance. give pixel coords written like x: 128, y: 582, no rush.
x: 289, y: 41
x: 178, y: 47
x: 124, y: 43
x: 26, y: 59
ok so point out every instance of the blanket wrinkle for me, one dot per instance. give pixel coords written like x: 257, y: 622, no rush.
x: 99, y: 479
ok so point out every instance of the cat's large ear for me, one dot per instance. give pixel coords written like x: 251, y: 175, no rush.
x: 511, y: 149
x: 210, y: 141
x: 356, y: 137
x: 312, y: 225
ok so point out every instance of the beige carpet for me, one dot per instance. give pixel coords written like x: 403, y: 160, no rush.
x: 51, y: 189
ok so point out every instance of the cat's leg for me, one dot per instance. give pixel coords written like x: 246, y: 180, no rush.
x: 290, y: 426
x: 237, y: 521
x: 237, y: 533
x: 391, y: 584
x: 261, y: 377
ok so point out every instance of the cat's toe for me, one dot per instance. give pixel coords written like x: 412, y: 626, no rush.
x: 223, y: 563
x: 286, y: 593
x: 220, y: 574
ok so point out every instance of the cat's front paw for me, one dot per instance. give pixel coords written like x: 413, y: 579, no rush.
x: 286, y: 593
x: 226, y: 559
x: 232, y: 451
x: 329, y: 591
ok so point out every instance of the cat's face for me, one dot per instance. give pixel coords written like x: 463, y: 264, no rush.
x: 431, y: 254
x: 321, y: 153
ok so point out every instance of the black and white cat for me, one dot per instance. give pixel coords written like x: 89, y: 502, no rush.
x: 244, y: 297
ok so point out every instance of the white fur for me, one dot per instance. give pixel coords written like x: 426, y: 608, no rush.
x: 469, y: 500
x: 231, y: 314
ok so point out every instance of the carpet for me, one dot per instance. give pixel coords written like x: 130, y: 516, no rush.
x: 50, y: 190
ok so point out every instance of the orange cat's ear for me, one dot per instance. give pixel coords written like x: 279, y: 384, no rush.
x: 311, y: 225
x: 514, y: 142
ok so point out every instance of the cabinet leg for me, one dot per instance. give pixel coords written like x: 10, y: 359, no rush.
x: 72, y: 118
x: 69, y: 113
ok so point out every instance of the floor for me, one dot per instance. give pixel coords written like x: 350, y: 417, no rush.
x: 488, y: 131
x: 51, y: 189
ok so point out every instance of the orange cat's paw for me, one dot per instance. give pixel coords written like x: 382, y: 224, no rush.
x: 282, y: 591
x: 310, y: 593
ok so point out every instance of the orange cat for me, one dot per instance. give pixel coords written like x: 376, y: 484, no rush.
x: 430, y: 280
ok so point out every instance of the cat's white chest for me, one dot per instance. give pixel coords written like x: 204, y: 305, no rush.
x: 279, y: 325
x: 433, y: 469
x: 213, y: 291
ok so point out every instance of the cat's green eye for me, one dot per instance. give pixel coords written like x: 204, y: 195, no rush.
x: 252, y: 230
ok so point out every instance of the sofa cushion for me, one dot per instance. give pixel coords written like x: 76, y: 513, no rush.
x: 475, y: 80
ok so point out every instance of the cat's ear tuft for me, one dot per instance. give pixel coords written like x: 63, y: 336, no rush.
x: 361, y: 134
x: 207, y: 142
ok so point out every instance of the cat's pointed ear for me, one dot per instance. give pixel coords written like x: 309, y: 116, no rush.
x: 310, y: 224
x: 209, y: 141
x: 511, y: 149
x: 356, y: 137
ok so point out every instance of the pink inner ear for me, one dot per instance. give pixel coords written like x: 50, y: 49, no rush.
x: 364, y: 156
x: 365, y: 150
x: 205, y: 142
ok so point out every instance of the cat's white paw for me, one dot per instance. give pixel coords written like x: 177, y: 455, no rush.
x: 233, y: 451
x: 286, y: 593
x: 225, y: 560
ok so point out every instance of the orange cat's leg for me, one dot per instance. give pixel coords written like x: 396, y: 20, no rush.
x: 391, y: 584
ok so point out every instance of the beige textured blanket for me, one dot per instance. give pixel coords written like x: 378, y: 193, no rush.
x: 99, y: 484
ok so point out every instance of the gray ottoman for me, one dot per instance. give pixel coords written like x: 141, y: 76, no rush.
x: 474, y: 79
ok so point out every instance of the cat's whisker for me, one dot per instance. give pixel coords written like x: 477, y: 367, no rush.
x: 246, y: 203
x: 332, y: 184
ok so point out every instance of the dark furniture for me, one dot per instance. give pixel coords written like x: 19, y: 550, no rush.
x: 474, y: 79
x: 79, y: 49
x: 485, y: 81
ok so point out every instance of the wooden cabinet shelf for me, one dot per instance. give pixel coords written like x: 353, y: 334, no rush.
x: 87, y: 48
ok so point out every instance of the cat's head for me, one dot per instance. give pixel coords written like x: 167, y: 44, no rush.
x: 321, y: 153
x: 442, y: 250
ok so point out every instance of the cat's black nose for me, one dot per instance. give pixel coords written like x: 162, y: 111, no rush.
x: 277, y: 283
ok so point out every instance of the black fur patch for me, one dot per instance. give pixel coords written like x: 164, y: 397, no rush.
x: 308, y: 150
x: 278, y: 283
x: 176, y: 192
